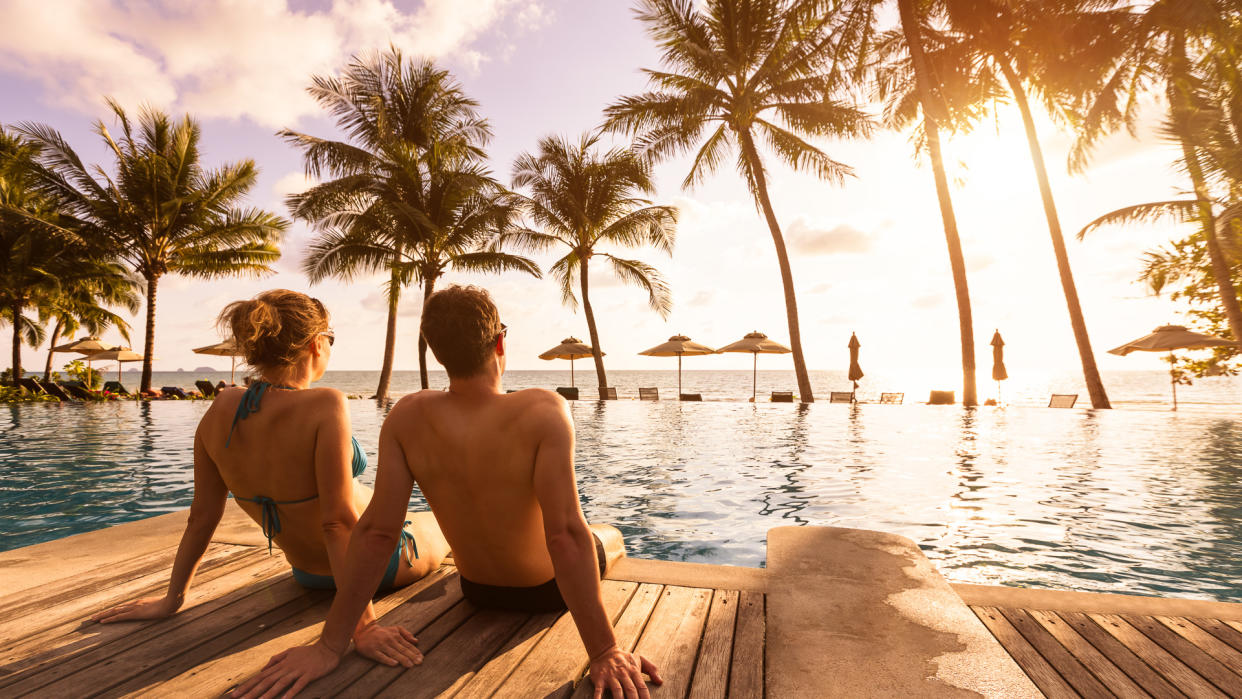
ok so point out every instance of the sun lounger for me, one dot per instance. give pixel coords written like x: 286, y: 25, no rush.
x: 77, y: 389
x: 55, y: 389
x: 116, y: 387
x: 841, y: 397
x: 207, y: 388
x: 173, y: 391
x: 892, y: 398
x: 1063, y: 400
x: 569, y: 392
x: 648, y: 394
x: 31, y: 385
x: 609, y: 393
x: 941, y: 398
x: 692, y: 396
x: 782, y: 396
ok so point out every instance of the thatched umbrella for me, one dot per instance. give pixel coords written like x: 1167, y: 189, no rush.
x: 678, y: 346
x: 118, y: 355
x: 571, y: 348
x: 998, y: 362
x: 755, y: 343
x: 856, y: 371
x: 86, y: 346
x: 222, y: 349
x: 1167, y: 338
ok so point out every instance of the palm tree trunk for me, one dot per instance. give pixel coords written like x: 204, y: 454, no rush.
x: 16, y: 309
x: 429, y: 287
x: 957, y: 262
x: 596, y: 353
x: 1180, y: 111
x: 791, y: 301
x: 47, y: 368
x: 1091, y: 374
x: 390, y: 338
x: 148, y: 348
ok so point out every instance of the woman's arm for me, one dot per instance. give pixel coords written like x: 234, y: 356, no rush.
x: 210, y: 497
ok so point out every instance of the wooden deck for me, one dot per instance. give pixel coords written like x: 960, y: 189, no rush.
x: 715, y: 631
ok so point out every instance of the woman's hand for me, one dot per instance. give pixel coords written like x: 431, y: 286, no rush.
x: 618, y: 674
x: 292, y: 669
x: 146, y: 608
x: 390, y: 645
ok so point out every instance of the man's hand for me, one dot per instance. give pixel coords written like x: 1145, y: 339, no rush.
x: 146, y: 608
x: 621, y: 674
x: 294, y: 668
x: 390, y: 645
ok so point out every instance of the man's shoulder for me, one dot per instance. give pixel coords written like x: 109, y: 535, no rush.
x: 537, y: 396
x: 411, y: 403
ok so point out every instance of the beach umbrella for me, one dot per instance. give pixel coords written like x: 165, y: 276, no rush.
x: 856, y: 371
x: 571, y: 348
x: 755, y: 343
x: 118, y: 355
x: 1168, y: 338
x: 222, y: 349
x: 86, y: 346
x: 998, y: 362
x: 678, y: 346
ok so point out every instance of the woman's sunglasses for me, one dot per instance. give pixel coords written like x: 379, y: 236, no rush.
x: 331, y: 335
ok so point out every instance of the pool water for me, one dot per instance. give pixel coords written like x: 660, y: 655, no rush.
x: 1125, y: 501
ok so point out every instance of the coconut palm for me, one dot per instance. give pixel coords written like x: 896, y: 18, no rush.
x: 83, y: 304
x: 741, y: 73
x: 161, y: 212
x: 1163, y: 49
x: 584, y: 200
x: 413, y: 144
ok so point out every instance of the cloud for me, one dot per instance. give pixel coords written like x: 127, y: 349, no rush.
x: 820, y: 288
x: 410, y: 305
x: 702, y: 299
x: 230, y: 58
x: 927, y: 301
x: 814, y: 241
x: 979, y: 261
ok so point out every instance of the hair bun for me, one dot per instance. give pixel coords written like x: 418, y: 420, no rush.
x: 274, y: 328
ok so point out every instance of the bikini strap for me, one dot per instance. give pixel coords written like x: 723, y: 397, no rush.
x: 250, y: 404
x: 406, y: 536
x: 270, y: 516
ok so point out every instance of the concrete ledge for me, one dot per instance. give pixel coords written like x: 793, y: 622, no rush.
x: 1094, y: 602
x: 690, y: 574
x: 860, y: 613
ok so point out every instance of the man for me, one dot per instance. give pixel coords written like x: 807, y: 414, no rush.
x: 497, y: 470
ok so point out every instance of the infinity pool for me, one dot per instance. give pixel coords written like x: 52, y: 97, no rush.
x: 1126, y: 501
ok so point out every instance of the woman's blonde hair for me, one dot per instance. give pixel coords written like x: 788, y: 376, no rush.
x: 272, y: 329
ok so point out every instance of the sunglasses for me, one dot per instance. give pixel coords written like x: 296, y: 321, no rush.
x: 504, y: 331
x: 331, y: 335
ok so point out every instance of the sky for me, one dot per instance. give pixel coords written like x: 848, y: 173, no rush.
x: 868, y: 256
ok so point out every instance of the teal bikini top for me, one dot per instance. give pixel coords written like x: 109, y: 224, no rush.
x: 270, y: 520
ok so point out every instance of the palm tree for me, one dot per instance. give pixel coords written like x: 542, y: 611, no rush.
x: 412, y: 135
x: 584, y: 200
x: 161, y: 212
x: 84, y: 304
x: 751, y: 71
x: 1163, y: 45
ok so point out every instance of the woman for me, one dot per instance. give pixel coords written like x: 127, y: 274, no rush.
x: 285, y: 452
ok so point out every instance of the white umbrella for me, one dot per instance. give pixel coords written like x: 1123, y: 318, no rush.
x: 678, y: 346
x: 755, y: 343
x: 222, y: 349
x: 118, y: 355
x: 571, y: 348
x: 86, y: 346
x: 1167, y: 338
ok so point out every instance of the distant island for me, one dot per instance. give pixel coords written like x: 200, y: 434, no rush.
x: 204, y: 369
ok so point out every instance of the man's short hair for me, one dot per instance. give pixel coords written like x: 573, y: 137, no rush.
x: 460, y: 324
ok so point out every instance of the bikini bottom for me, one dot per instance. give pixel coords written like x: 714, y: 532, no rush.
x: 535, y: 598
x: 327, y: 582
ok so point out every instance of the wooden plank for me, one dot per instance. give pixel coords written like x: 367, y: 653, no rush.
x: 453, y: 662
x: 1072, y: 671
x: 1109, y: 674
x: 219, y: 665
x: 1119, y: 655
x: 627, y: 630
x: 559, y: 658
x: 85, y: 653
x: 1188, y: 653
x: 1221, y: 630
x: 488, y: 679
x: 1222, y: 652
x: 671, y: 638
x: 711, y: 672
x: 1237, y: 625
x: 69, y: 603
x: 1160, y: 660
x: 436, y: 594
x: 1029, y: 659
x: 88, y: 579
x: 749, y: 638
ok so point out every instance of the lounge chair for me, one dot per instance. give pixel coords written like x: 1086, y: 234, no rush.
x: 782, y: 396
x: 941, y: 398
x: 31, y: 385
x: 174, y: 392
x: 207, y: 388
x: 648, y: 394
x: 55, y: 389
x: 1063, y: 400
x: 78, y: 390
x: 892, y: 398
x: 568, y: 392
x: 117, y: 388
x: 841, y: 397
x: 692, y: 396
x: 609, y: 393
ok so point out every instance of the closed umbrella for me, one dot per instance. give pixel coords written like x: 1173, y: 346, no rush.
x: 678, y: 346
x: 856, y: 371
x: 86, y: 346
x: 118, y: 355
x: 228, y: 348
x: 755, y: 343
x: 571, y: 348
x: 1168, y: 338
x: 998, y: 362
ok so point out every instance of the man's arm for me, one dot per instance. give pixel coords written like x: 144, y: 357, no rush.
x: 572, y: 551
